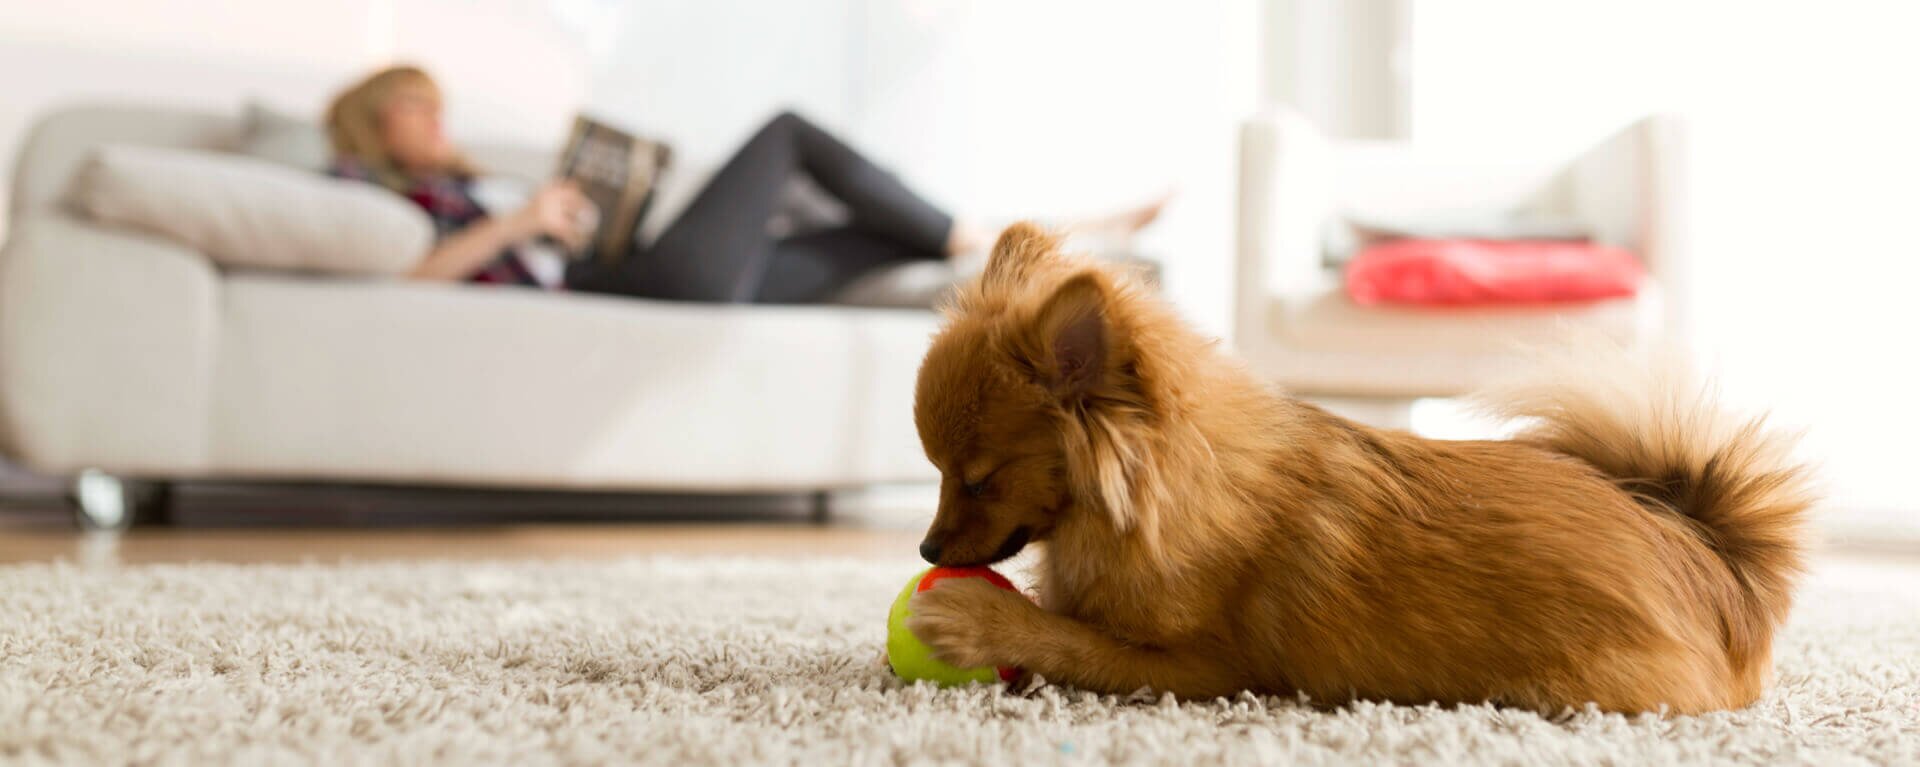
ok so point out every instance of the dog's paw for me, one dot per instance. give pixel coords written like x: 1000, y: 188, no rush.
x: 968, y: 622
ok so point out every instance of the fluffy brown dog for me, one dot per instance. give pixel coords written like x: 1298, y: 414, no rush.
x: 1204, y: 534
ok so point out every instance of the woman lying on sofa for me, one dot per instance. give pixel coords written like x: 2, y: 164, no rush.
x: 386, y: 129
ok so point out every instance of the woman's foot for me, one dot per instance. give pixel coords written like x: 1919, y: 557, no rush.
x: 966, y: 239
x: 1120, y: 223
x: 969, y: 239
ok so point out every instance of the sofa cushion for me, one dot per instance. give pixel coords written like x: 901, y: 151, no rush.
x: 1329, y: 320
x: 906, y: 285
x: 1322, y: 343
x: 1353, y: 231
x: 249, y: 213
x: 282, y: 138
x: 407, y: 381
x: 926, y: 284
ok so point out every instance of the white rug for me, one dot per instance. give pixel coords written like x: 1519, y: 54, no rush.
x: 741, y: 662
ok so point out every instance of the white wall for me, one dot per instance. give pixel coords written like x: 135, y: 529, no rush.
x: 703, y: 74
x: 1806, y: 147
x: 512, y: 72
x: 997, y: 108
x: 1021, y: 109
x: 1342, y: 63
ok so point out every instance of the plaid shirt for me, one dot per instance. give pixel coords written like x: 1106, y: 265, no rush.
x: 448, y: 200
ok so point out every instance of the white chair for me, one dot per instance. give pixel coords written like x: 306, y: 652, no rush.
x: 1294, y: 323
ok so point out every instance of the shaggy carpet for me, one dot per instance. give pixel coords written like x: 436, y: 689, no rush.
x: 701, y: 661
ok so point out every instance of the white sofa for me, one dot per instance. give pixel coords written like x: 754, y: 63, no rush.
x: 137, y: 357
x: 1295, y: 325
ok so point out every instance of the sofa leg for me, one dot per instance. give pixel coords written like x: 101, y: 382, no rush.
x: 102, y: 501
x: 820, y: 509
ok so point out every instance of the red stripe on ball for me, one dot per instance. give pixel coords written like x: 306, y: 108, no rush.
x: 938, y: 574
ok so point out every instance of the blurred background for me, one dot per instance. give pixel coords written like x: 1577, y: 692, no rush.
x: 1799, y: 163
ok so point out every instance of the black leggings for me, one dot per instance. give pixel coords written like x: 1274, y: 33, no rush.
x: 719, y: 249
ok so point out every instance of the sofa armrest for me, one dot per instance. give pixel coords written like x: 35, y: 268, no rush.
x: 107, y: 344
x: 1665, y: 237
x: 1285, y: 198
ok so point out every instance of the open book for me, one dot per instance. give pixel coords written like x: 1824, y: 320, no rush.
x: 617, y: 171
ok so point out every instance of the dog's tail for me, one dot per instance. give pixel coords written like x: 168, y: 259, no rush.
x: 1647, y: 422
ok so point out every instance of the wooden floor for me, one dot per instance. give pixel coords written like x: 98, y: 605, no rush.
x: 507, y: 542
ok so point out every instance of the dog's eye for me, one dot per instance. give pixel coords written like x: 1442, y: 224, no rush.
x: 979, y: 487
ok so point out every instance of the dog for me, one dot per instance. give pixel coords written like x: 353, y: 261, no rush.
x: 1203, y: 534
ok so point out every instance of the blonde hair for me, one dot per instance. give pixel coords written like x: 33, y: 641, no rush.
x: 353, y: 124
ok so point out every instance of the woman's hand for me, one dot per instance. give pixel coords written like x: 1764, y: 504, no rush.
x: 560, y: 211
x: 557, y: 210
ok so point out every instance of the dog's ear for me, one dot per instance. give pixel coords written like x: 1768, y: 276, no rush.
x: 1075, y: 348
x: 1018, y: 255
x: 1069, y: 338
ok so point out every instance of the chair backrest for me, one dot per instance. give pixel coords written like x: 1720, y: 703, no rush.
x: 1388, y: 180
x: 1614, y: 187
x: 1628, y: 189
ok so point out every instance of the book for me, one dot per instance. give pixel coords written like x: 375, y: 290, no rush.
x: 617, y: 170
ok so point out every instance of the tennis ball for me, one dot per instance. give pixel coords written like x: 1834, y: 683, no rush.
x: 911, y: 658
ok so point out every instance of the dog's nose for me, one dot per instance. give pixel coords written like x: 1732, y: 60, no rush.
x: 930, y: 551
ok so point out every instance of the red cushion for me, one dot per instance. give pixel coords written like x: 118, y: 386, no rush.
x: 1490, y: 272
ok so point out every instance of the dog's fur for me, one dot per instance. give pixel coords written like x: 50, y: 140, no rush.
x: 1204, y: 534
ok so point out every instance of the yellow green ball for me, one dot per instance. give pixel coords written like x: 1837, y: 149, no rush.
x: 911, y: 658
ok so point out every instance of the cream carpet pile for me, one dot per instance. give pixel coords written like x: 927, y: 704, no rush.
x: 700, y: 661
